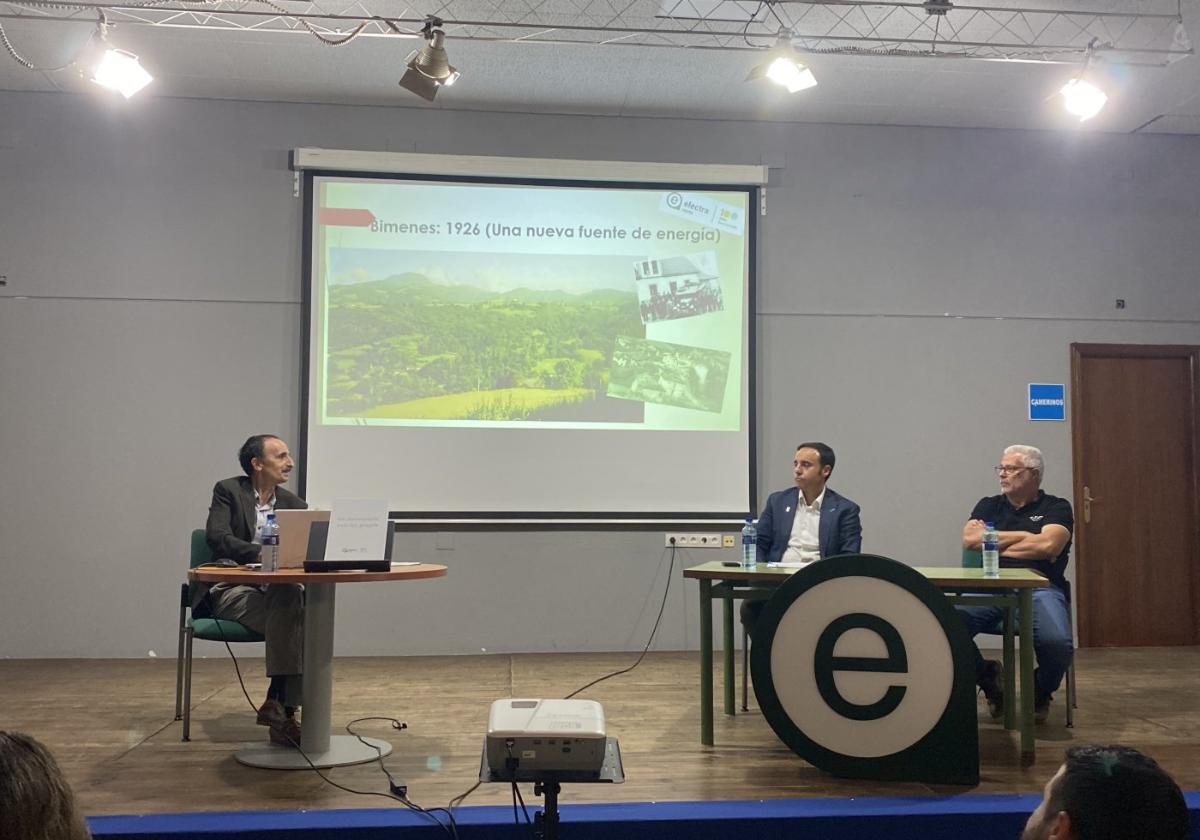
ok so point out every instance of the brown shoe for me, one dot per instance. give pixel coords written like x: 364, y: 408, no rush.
x: 286, y: 734
x: 992, y: 685
x: 271, y: 713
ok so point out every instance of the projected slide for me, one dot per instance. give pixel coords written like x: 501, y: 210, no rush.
x: 495, y: 306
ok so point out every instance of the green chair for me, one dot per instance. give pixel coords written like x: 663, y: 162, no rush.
x: 190, y: 627
x: 972, y: 558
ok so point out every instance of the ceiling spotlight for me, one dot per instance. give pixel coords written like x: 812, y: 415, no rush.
x: 108, y: 67
x: 428, y: 68
x: 1081, y: 98
x: 784, y: 67
x: 120, y: 71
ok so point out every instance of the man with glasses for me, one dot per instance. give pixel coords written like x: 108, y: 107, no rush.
x: 1035, y: 533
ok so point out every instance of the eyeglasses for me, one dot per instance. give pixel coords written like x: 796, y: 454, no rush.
x: 1005, y: 469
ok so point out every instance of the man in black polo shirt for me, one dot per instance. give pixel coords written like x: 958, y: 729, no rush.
x: 1035, y: 533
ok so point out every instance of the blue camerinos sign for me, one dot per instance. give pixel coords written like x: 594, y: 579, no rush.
x: 1047, y: 402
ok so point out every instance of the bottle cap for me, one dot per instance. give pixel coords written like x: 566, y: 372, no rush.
x: 989, y: 525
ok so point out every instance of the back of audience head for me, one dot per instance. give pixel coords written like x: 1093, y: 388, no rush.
x: 1109, y: 793
x: 36, y: 803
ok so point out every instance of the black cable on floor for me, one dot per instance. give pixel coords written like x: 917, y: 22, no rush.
x: 393, y: 788
x: 649, y: 641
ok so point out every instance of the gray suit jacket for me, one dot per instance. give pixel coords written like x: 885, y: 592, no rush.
x: 232, y: 518
x: 229, y: 532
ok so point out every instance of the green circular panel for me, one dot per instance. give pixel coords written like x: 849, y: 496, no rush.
x: 855, y: 662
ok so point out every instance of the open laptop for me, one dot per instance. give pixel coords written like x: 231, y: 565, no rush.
x: 293, y: 535
x: 318, y: 535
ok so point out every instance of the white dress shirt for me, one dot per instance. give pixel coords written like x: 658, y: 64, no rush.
x: 804, y: 544
x: 261, y: 509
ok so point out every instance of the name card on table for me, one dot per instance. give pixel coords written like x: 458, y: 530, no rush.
x: 358, y: 530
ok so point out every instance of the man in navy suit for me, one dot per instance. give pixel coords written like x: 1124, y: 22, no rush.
x: 806, y: 522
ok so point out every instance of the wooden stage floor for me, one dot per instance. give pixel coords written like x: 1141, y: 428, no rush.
x: 111, y: 725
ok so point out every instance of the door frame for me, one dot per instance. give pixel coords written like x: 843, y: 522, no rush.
x: 1079, y: 352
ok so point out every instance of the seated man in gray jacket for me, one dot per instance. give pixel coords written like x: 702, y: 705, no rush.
x: 234, y: 531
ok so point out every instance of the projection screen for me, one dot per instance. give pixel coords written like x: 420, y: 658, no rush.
x: 553, y: 348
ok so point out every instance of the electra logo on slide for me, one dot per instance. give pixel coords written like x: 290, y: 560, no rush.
x: 704, y: 210
x: 865, y: 670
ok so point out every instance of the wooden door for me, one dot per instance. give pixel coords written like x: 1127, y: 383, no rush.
x: 1137, y: 543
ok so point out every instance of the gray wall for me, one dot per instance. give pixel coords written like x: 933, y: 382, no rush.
x: 912, y: 282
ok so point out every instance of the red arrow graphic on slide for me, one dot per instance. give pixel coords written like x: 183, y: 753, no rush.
x: 346, y: 217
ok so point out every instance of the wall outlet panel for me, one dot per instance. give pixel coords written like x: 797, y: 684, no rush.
x: 696, y: 540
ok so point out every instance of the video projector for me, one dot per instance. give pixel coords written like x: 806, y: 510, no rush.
x: 544, y: 738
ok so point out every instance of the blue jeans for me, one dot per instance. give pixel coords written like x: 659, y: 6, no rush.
x: 1052, y: 642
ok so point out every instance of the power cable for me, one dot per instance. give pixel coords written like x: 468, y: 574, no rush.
x: 661, y: 607
x: 396, y: 792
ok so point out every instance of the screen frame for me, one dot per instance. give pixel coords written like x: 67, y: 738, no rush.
x: 522, y: 519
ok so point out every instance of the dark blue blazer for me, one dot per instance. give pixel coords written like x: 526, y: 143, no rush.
x: 840, y: 531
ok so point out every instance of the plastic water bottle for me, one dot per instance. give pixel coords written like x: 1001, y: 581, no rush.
x: 749, y: 543
x: 991, y: 551
x: 270, y: 544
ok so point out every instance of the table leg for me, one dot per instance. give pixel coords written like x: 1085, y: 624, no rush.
x: 1025, y: 640
x: 727, y: 634
x: 319, y: 606
x: 706, y: 655
x: 1010, y: 669
x: 315, y: 741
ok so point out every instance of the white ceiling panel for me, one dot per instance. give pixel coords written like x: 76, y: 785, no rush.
x: 190, y: 58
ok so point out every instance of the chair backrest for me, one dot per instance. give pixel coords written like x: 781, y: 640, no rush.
x: 972, y: 558
x: 200, y: 550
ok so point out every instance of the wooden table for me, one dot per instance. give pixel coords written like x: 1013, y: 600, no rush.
x: 315, y: 740
x: 1012, y: 590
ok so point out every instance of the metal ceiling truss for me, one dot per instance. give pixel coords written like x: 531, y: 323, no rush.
x: 932, y: 29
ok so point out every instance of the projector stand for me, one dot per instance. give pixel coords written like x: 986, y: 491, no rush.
x: 545, y: 825
x: 548, y: 783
